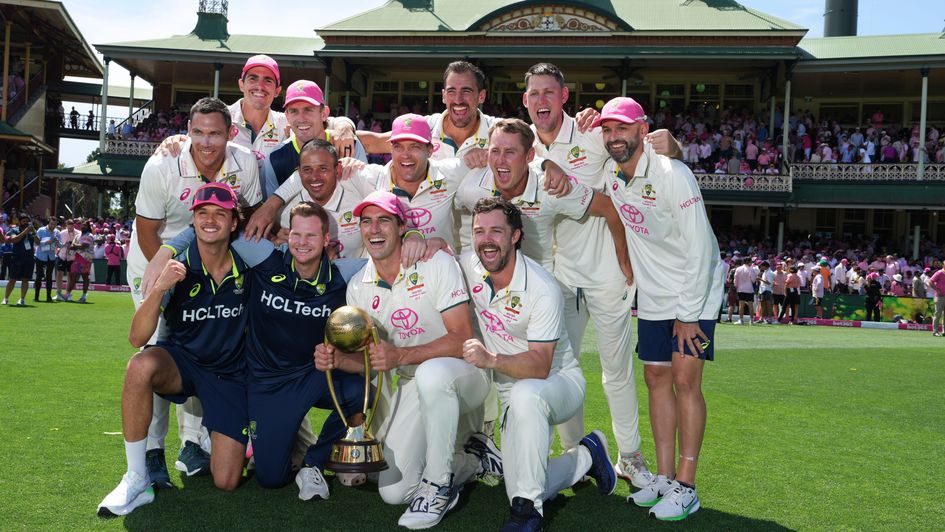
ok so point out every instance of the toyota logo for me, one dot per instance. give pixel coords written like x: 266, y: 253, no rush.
x: 631, y: 214
x: 418, y: 217
x: 404, y: 318
x: 493, y: 323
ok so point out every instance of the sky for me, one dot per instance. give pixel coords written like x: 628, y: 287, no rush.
x: 110, y: 21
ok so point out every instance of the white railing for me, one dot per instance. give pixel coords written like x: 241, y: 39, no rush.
x: 745, y: 182
x: 866, y: 172
x: 130, y: 147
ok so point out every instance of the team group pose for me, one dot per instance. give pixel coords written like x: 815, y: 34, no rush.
x: 480, y: 252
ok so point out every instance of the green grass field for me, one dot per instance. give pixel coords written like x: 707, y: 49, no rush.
x: 809, y: 428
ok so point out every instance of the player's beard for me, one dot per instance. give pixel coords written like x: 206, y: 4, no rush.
x: 499, y: 263
x: 623, y: 156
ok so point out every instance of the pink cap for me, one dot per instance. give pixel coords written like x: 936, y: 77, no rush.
x: 625, y: 110
x: 219, y: 194
x: 304, y: 90
x: 411, y: 127
x: 385, y: 201
x: 262, y: 61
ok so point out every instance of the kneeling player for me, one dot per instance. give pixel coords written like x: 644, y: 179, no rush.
x: 519, y: 310
x: 203, y: 300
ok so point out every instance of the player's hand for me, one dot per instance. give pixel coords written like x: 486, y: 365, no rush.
x: 174, y: 272
x: 262, y: 220
x: 476, y: 158
x: 434, y: 244
x: 383, y: 356
x: 324, y: 357
x: 663, y: 143
x: 585, y: 119
x: 171, y: 146
x: 689, y: 335
x: 350, y: 167
x: 627, y: 270
x: 556, y: 181
x: 154, y: 270
x: 412, y: 249
x: 476, y: 354
x: 342, y: 137
x: 281, y: 237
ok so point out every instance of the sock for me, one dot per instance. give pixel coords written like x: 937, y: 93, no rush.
x: 135, y: 453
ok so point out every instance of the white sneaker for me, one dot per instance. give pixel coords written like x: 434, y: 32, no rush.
x: 133, y: 491
x: 677, y: 504
x: 429, y: 504
x: 651, y: 494
x: 21, y: 303
x: 311, y: 484
x: 634, y: 470
x: 737, y: 322
x: 483, y: 447
x: 5, y: 302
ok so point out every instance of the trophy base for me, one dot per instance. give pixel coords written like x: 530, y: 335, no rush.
x: 356, y: 457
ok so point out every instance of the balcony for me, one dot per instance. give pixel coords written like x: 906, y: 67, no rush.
x: 133, y: 148
x: 866, y: 173
x: 880, y: 185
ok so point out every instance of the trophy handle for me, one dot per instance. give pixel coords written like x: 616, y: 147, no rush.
x: 367, y: 382
x: 334, y: 397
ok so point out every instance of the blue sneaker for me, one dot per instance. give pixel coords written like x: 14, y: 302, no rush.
x: 157, y: 469
x: 602, y: 471
x: 524, y: 518
x: 192, y: 460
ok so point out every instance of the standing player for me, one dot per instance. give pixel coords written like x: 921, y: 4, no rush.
x: 22, y: 238
x: 291, y: 296
x: 202, y: 298
x: 676, y: 262
x: 519, y: 311
x: 161, y: 208
x: 259, y: 127
x: 422, y: 314
x: 585, y: 262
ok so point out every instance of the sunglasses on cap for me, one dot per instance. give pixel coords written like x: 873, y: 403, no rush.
x: 213, y: 191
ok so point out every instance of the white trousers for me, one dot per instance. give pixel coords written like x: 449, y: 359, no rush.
x: 609, y: 305
x: 532, y: 408
x: 426, y: 422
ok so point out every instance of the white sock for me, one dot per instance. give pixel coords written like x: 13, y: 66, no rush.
x: 135, y: 453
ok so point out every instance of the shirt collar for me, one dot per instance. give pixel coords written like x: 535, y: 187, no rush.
x: 371, y: 276
x: 517, y: 285
x: 323, y: 276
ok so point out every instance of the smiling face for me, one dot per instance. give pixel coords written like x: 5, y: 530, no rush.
x: 623, y: 140
x: 213, y: 224
x: 380, y: 232
x: 509, y: 160
x: 494, y: 239
x: 319, y: 173
x: 307, y: 239
x: 259, y: 88
x: 306, y: 120
x: 462, y: 98
x: 545, y: 98
x: 208, y: 136
x: 410, y: 158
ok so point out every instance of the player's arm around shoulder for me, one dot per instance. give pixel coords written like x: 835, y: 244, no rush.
x: 251, y: 189
x: 145, y: 320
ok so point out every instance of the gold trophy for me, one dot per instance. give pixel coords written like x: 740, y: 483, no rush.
x: 350, y: 329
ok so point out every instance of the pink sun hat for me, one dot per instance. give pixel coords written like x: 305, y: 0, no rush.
x: 411, y: 127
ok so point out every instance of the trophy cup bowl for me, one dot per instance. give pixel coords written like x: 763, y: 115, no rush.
x: 351, y: 329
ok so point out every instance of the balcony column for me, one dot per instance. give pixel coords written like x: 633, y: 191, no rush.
x: 131, y: 97
x: 6, y: 70
x: 26, y: 73
x: 781, y: 235
x: 787, y: 124
x: 771, y: 120
x: 217, y: 67
x: 98, y: 208
x: 920, y: 172
x: 102, y: 120
x: 917, y: 233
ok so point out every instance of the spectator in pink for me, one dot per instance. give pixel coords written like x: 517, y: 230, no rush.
x: 82, y: 265
x: 114, y: 254
x: 937, y: 284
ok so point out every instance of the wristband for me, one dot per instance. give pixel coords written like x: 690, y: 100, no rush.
x: 168, y: 246
x: 416, y: 231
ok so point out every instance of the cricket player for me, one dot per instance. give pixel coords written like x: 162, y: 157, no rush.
x: 676, y: 263
x: 258, y: 127
x: 202, y: 296
x: 165, y: 195
x: 422, y: 315
x: 519, y: 311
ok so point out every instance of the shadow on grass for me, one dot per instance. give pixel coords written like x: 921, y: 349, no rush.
x: 199, y: 506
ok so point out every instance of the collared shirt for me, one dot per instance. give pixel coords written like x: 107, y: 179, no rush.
x: 673, y: 250
x: 585, y: 252
x: 206, y: 320
x: 529, y: 309
x: 342, y: 223
x: 261, y: 142
x: 66, y: 237
x: 540, y: 210
x: 446, y: 148
x: 278, y: 166
x: 46, y: 250
x: 409, y: 312
x: 167, y: 187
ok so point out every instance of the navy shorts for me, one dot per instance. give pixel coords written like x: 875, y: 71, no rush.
x: 65, y: 266
x: 748, y: 297
x: 276, y: 409
x: 21, y: 268
x: 224, y: 400
x: 655, y: 341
